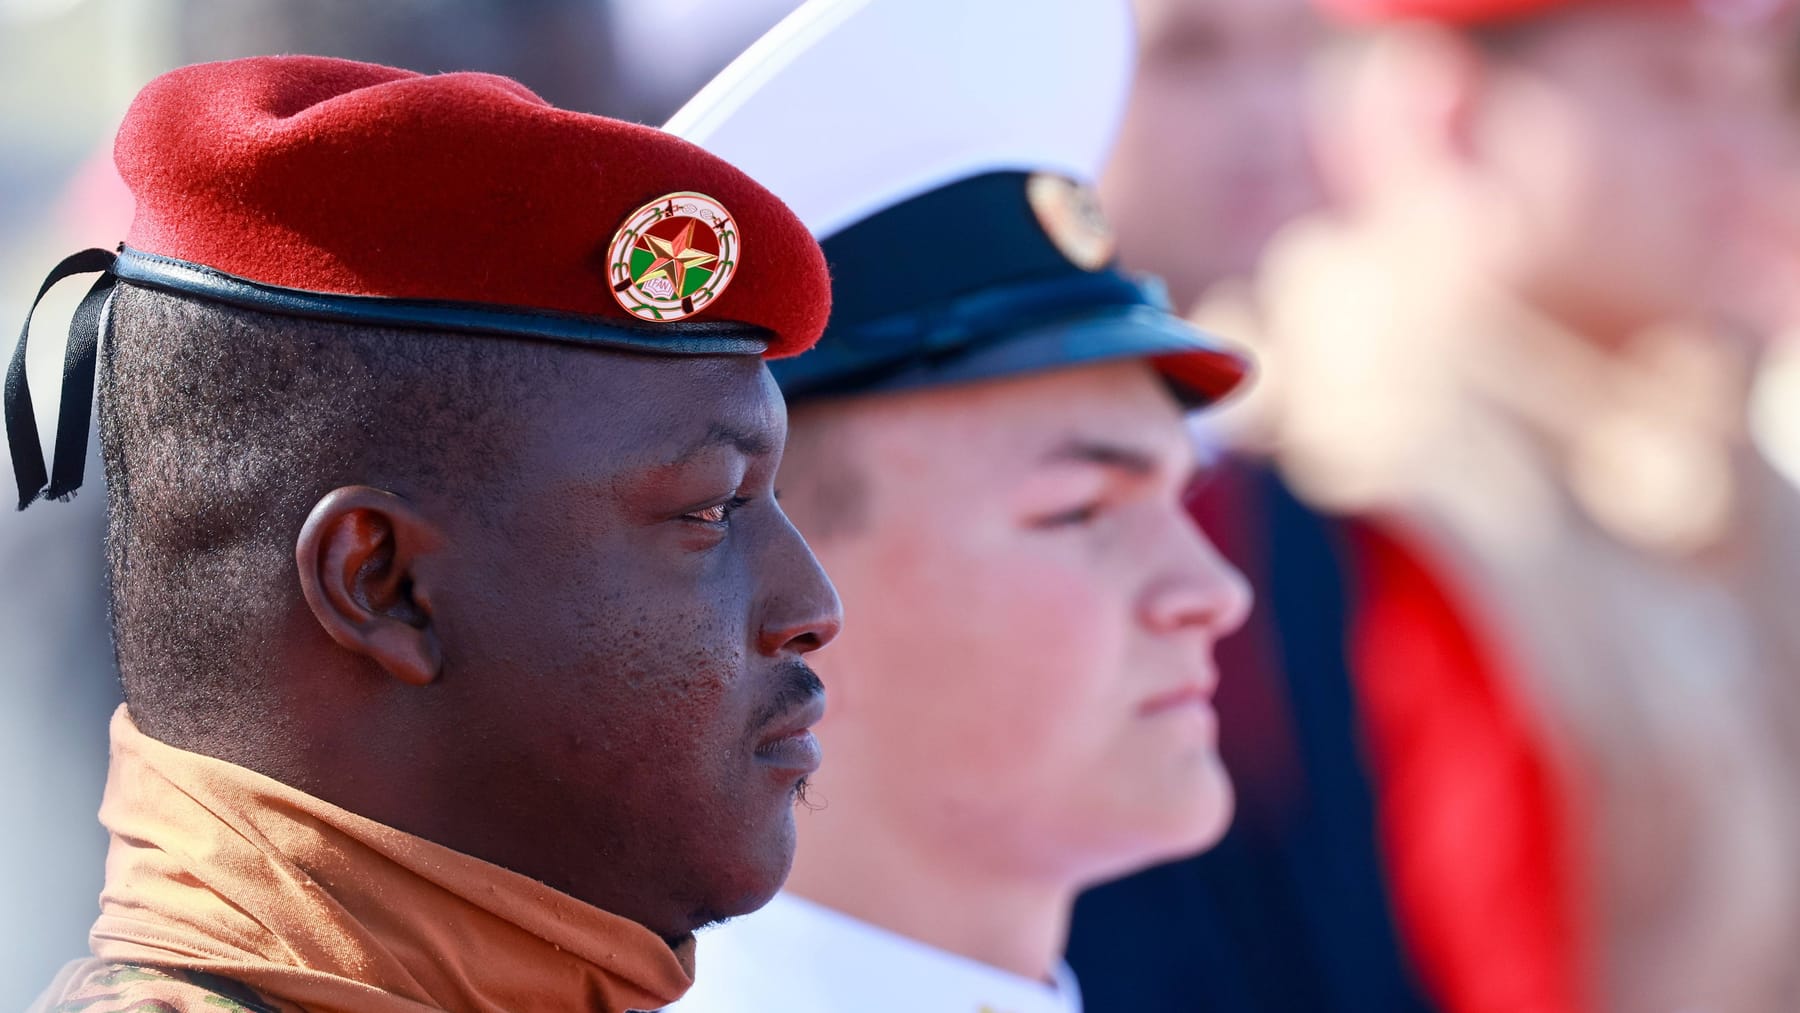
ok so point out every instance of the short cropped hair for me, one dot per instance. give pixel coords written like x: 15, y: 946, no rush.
x: 221, y: 428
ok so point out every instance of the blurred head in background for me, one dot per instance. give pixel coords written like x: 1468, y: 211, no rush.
x: 1762, y: 282
x: 1212, y: 158
x: 1764, y: 274
x: 1585, y: 157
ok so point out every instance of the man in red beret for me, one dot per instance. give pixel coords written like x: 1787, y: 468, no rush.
x: 1575, y: 649
x: 461, y: 635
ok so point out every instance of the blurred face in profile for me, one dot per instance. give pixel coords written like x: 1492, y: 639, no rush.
x: 1617, y: 129
x: 1025, y: 684
x: 1212, y: 157
x: 1757, y: 285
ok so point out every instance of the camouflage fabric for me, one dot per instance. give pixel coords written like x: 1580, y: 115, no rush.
x: 98, y: 987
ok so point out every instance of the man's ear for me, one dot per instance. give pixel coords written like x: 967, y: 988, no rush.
x: 358, y: 555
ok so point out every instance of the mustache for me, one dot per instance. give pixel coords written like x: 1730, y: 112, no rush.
x: 799, y: 684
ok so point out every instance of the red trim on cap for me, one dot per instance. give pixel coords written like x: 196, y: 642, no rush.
x: 1210, y: 375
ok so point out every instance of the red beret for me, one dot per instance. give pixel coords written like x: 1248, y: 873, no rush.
x: 1466, y: 13
x: 461, y: 202
x: 331, y: 188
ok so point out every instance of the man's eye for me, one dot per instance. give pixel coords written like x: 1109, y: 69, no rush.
x: 1072, y: 518
x: 718, y: 513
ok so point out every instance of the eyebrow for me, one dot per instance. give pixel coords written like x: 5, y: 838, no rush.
x: 719, y: 434
x: 1112, y: 456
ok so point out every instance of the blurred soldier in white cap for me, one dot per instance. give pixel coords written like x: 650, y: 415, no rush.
x: 988, y: 450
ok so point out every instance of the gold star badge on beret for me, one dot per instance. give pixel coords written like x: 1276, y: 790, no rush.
x: 674, y: 256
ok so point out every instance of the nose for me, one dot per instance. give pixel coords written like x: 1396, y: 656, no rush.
x: 801, y: 611
x: 1199, y: 591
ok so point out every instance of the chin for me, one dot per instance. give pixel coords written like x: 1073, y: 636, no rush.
x: 1179, y: 819
x: 758, y: 875
x: 1211, y: 812
x: 1163, y: 822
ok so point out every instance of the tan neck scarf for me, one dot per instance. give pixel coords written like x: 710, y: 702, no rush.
x: 218, y: 869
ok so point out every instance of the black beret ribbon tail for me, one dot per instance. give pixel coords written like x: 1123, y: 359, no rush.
x: 77, y: 403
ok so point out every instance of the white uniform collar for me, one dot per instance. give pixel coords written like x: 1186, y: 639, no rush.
x: 801, y: 957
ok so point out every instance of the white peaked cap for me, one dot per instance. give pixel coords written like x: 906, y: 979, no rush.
x: 848, y: 107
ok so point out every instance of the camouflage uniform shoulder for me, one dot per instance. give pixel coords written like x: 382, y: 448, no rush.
x: 98, y: 987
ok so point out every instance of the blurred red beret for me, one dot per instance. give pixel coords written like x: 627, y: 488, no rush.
x: 331, y: 188
x: 1461, y: 12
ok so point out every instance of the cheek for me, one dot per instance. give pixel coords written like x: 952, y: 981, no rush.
x: 1640, y: 161
x: 1564, y: 175
x: 1580, y: 192
x: 1049, y: 640
x: 672, y: 652
x: 634, y: 643
x: 1633, y: 164
x: 1005, y: 640
x: 1649, y: 215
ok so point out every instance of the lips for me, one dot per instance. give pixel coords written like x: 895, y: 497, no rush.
x: 790, y: 746
x: 1187, y: 696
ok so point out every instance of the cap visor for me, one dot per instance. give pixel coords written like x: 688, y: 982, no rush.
x: 1201, y: 368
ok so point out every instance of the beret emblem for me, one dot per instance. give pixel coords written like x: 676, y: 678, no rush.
x: 673, y: 257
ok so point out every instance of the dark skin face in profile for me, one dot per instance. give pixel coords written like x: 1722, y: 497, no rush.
x: 587, y: 669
